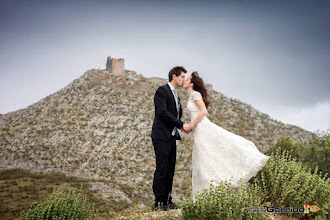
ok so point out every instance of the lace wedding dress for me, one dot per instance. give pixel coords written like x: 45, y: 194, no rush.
x: 220, y: 155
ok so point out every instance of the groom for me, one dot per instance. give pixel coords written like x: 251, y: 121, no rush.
x: 164, y: 134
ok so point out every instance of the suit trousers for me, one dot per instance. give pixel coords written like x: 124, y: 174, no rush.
x: 165, y: 152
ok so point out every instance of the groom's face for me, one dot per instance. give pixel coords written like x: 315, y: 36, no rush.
x: 180, y: 79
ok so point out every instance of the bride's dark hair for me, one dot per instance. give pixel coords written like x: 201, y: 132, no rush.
x: 200, y: 87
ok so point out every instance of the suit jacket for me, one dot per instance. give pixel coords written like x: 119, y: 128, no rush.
x: 165, y: 114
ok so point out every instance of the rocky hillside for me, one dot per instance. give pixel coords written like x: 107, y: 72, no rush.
x: 98, y: 127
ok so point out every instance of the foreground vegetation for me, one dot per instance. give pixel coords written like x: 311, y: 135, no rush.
x: 282, y: 183
x: 295, y: 175
x: 20, y: 188
x: 291, y: 178
x: 62, y: 204
x: 312, y: 153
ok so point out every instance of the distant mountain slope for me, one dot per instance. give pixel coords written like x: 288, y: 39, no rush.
x: 98, y: 127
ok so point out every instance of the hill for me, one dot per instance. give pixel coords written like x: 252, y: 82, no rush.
x: 98, y: 128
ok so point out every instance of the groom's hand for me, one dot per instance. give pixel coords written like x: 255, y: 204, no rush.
x: 184, y: 128
x: 187, y: 132
x: 187, y: 127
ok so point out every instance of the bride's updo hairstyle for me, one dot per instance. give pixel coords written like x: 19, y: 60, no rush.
x: 200, y: 87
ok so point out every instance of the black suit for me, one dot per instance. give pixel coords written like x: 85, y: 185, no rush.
x: 165, y: 114
x: 164, y: 143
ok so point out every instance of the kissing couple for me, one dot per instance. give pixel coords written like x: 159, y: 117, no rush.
x: 218, y: 155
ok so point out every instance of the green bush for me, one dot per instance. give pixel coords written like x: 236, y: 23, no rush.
x: 282, y: 183
x: 317, y: 152
x: 313, y: 153
x: 223, y: 202
x: 62, y: 204
x: 287, y: 183
x: 286, y: 144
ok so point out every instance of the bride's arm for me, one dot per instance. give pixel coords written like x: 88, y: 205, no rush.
x: 203, y: 112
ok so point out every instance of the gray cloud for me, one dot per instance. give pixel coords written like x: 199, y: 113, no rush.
x: 271, y: 54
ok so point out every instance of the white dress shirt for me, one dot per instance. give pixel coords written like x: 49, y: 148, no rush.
x: 176, y: 98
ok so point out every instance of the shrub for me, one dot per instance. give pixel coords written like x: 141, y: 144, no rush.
x: 287, y: 183
x: 313, y: 153
x: 317, y: 152
x: 286, y: 144
x: 223, y: 202
x: 282, y: 183
x: 62, y: 204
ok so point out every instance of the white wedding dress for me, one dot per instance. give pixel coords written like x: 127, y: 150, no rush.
x: 220, y: 155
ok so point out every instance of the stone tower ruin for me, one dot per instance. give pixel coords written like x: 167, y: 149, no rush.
x: 116, y: 66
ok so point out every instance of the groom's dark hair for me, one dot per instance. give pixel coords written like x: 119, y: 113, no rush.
x: 177, y: 71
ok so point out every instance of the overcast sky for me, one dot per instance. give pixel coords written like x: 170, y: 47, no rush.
x: 274, y: 55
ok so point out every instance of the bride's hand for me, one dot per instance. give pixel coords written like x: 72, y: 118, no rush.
x: 187, y: 132
x: 183, y: 130
x: 187, y: 127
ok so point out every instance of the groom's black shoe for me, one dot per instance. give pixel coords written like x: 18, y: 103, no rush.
x: 171, y: 205
x: 161, y: 206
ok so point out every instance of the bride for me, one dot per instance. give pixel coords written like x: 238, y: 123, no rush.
x: 218, y: 155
